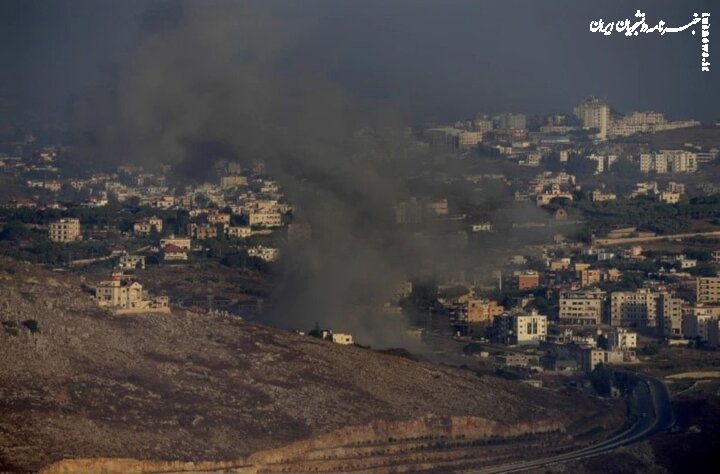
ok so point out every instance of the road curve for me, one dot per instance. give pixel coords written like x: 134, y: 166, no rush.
x: 653, y: 400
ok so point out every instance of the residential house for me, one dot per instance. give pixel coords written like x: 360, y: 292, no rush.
x: 172, y: 252
x: 145, y: 226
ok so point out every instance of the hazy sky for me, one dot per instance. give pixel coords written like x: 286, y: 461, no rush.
x: 436, y: 58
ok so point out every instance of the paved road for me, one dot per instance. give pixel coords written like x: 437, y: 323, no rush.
x: 653, y: 400
x: 86, y: 261
x: 632, y: 240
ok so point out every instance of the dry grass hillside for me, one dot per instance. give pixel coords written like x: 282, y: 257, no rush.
x: 77, y: 382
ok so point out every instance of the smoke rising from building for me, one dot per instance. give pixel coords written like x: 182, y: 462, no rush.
x: 218, y: 81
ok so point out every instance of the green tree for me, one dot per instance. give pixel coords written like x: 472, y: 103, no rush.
x: 154, y: 234
x: 14, y: 230
x: 651, y: 349
x: 624, y: 167
x: 580, y: 166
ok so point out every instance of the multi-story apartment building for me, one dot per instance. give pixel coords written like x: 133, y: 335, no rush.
x: 696, y: 325
x: 623, y: 342
x: 231, y: 181
x: 64, y: 230
x: 594, y: 113
x: 483, y: 125
x: 442, y: 138
x: 654, y: 162
x: 636, y: 309
x: 528, y: 328
x: 645, y: 122
x: 482, y: 311
x: 510, y: 121
x: 265, y: 219
x: 602, y: 162
x: 526, y: 280
x: 669, y: 161
x: 670, y: 314
x: 468, y: 139
x: 590, y: 277
x: 713, y: 332
x: 681, y: 161
x: 707, y: 290
x: 621, y: 339
x: 582, y: 307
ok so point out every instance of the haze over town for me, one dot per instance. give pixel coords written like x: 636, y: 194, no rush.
x: 401, y: 236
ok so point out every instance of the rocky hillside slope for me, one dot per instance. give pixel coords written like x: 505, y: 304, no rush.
x: 77, y: 382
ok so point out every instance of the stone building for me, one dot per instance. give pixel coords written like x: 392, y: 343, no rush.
x: 65, y: 230
x: 124, y: 295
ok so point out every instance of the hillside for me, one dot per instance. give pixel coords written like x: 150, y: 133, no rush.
x: 706, y: 136
x: 77, y: 382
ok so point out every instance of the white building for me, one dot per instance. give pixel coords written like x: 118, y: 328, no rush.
x: 621, y: 339
x: 343, y: 339
x: 529, y: 328
x: 594, y: 113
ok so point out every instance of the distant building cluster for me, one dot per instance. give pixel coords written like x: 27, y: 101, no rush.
x: 595, y: 114
x: 578, y: 199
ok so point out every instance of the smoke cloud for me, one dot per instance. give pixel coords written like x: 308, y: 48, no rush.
x: 216, y: 80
